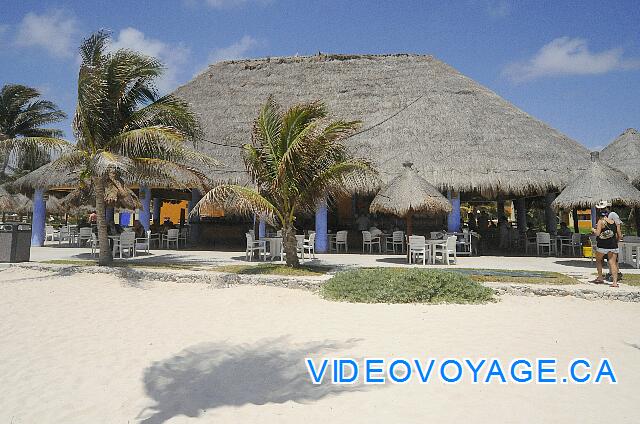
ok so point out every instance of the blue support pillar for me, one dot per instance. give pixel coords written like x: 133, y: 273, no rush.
x: 453, y: 220
x: 594, y: 216
x: 322, y: 239
x: 262, y: 229
x: 194, y: 222
x: 38, y: 219
x: 157, y: 204
x: 109, y: 212
x: 124, y: 218
x: 145, y: 212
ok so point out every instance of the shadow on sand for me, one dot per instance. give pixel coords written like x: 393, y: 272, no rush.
x: 213, y: 375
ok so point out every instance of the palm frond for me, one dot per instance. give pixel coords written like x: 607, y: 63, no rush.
x: 239, y: 200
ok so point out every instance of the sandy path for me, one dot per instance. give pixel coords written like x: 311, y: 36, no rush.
x: 91, y: 349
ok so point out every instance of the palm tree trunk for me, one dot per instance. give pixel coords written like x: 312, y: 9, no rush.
x: 6, y: 153
x: 104, y: 258
x: 290, y: 245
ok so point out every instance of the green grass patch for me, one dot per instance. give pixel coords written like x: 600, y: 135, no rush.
x: 273, y: 269
x: 517, y: 277
x: 631, y: 279
x: 404, y: 285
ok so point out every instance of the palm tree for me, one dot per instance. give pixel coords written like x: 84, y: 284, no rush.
x: 296, y: 160
x: 23, y: 114
x: 126, y: 134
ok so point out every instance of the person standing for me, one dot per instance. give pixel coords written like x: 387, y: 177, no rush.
x: 608, y: 233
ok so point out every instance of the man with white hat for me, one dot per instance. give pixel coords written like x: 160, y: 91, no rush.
x: 604, y: 210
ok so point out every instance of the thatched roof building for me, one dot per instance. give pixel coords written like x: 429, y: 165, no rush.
x: 599, y: 182
x: 459, y: 134
x: 623, y: 153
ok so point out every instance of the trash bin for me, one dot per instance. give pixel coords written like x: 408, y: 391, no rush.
x: 15, y: 242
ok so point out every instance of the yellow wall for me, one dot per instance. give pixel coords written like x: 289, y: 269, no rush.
x: 172, y: 211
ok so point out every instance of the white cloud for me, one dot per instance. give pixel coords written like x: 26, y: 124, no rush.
x: 569, y: 56
x: 228, y: 4
x: 237, y: 50
x: 53, y: 31
x: 499, y: 8
x: 174, y: 57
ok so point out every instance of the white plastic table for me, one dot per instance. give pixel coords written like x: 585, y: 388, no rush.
x: 275, y: 246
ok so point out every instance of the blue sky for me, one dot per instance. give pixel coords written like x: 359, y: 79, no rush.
x: 574, y: 65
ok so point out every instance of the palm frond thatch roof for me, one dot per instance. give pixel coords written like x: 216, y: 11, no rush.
x: 459, y: 134
x: 599, y: 182
x: 623, y: 153
x: 7, y: 201
x: 409, y: 192
x: 47, y: 176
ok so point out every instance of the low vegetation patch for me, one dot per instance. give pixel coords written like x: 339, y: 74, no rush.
x: 273, y: 269
x: 517, y: 277
x: 631, y: 279
x: 404, y: 285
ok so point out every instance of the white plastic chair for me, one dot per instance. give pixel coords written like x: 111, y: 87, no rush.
x: 341, y: 240
x: 397, y: 239
x: 592, y: 241
x: 94, y: 244
x: 183, y: 236
x: 127, y: 243
x: 84, y: 235
x: 368, y: 240
x: 64, y: 235
x: 417, y: 247
x: 144, y: 243
x: 171, y: 237
x: 543, y: 240
x: 49, y: 233
x: 465, y: 244
x: 259, y: 246
x: 309, y: 245
x: 573, y: 244
x: 447, y: 250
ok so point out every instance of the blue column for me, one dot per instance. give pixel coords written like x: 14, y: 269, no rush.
x: 157, y: 204
x: 262, y: 229
x: 322, y: 240
x: 124, y: 218
x: 108, y: 212
x: 145, y: 212
x: 453, y: 220
x: 194, y: 222
x: 594, y: 216
x: 38, y: 220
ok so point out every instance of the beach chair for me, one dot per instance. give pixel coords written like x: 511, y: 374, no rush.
x: 144, y: 243
x: 49, y: 233
x: 259, y: 246
x: 172, y: 236
x: 84, y: 235
x: 543, y: 241
x: 368, y: 240
x: 397, y: 239
x: 417, y: 247
x: 574, y: 244
x: 340, y: 240
x: 309, y: 245
x: 447, y: 250
x: 127, y: 243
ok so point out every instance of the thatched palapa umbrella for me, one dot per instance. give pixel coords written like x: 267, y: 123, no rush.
x: 7, y: 201
x: 599, y: 182
x: 624, y: 154
x: 408, y: 193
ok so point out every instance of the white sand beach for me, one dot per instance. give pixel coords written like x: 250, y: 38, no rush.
x: 91, y: 348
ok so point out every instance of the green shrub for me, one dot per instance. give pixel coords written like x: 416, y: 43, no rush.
x: 404, y: 285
